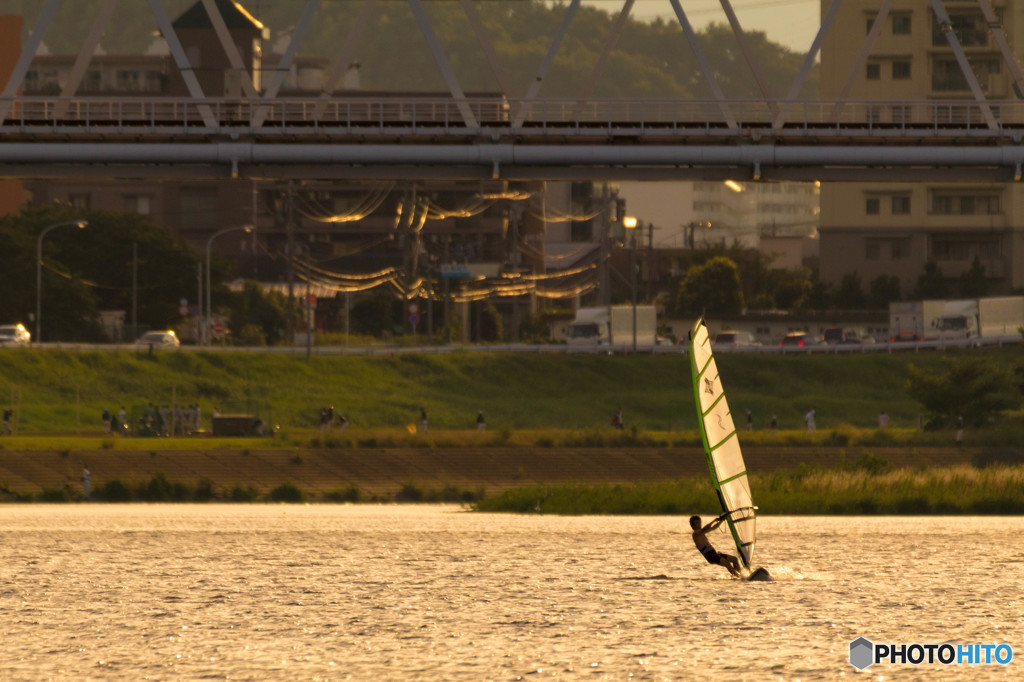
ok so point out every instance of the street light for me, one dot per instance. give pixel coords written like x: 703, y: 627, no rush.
x: 629, y: 222
x: 204, y: 331
x: 39, y: 271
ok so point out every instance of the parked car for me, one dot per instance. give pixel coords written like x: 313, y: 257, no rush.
x: 14, y: 335
x: 736, y: 338
x: 847, y: 335
x: 159, y: 339
x: 798, y: 339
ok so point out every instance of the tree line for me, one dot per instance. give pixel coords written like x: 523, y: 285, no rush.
x: 649, y: 60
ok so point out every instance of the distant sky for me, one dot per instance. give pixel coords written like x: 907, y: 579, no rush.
x: 792, y: 23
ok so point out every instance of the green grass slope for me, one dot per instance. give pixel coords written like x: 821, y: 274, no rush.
x: 65, y: 391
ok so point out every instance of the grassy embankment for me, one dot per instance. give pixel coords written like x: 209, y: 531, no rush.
x: 545, y: 400
x: 532, y: 401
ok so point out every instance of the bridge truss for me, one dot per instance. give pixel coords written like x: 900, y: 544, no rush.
x: 262, y: 135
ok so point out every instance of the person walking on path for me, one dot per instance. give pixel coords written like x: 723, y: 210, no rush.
x: 750, y: 420
x: 883, y: 420
x: 6, y: 426
x: 481, y: 423
x: 423, y: 419
x: 809, y: 418
x: 960, y: 431
x: 775, y: 423
x: 86, y: 482
x: 106, y: 420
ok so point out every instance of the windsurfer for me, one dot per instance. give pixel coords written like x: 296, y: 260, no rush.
x: 707, y: 551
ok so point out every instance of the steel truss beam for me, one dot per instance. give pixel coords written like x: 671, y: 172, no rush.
x: 246, y: 159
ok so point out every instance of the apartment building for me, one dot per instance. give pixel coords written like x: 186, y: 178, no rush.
x: 885, y: 228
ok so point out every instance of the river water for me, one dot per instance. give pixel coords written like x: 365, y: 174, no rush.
x: 366, y: 592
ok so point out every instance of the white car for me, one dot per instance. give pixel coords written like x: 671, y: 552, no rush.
x: 14, y: 335
x: 159, y: 339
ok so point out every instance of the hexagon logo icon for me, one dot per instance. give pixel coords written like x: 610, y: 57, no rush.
x: 862, y: 653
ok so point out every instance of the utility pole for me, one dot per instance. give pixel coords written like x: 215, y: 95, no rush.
x: 289, y: 327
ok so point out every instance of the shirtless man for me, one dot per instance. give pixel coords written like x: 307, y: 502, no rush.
x: 707, y: 551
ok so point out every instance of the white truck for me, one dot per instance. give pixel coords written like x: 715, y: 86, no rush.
x: 960, y: 319
x: 613, y: 326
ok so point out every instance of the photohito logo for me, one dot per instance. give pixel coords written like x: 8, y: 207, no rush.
x: 864, y: 653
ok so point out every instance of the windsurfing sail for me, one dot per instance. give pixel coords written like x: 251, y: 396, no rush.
x: 722, y: 444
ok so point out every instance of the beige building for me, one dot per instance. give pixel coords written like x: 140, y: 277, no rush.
x: 875, y: 229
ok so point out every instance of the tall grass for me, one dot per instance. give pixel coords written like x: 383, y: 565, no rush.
x: 869, y: 487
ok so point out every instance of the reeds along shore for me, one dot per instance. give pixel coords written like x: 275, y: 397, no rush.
x: 961, y: 489
x: 868, y: 487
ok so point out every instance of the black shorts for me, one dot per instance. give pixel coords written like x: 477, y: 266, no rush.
x: 712, y: 556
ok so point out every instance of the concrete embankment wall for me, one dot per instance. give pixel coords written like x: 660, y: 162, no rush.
x: 382, y: 472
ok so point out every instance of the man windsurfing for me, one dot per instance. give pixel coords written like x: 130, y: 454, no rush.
x: 707, y: 551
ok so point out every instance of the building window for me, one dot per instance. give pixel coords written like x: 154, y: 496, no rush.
x: 872, y: 206
x: 901, y: 204
x: 581, y: 231
x: 872, y: 250
x: 970, y: 29
x: 874, y: 72
x: 900, y: 249
x: 950, y: 249
x: 870, y: 21
x: 965, y: 204
x: 900, y: 69
x: 138, y: 203
x: 901, y: 24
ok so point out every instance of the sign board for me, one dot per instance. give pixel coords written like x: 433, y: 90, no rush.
x: 413, y: 308
x: 218, y: 329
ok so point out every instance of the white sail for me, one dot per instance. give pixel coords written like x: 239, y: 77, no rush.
x: 721, y: 444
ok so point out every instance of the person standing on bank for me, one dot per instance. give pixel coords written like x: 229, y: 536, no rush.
x: 86, y: 482
x: 423, y: 419
x: 481, y: 423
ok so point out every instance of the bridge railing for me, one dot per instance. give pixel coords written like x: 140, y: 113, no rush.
x: 408, y: 114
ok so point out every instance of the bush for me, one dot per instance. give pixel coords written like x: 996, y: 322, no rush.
x: 349, y: 494
x: 114, y: 491
x: 286, y: 492
x: 409, y: 493
x: 239, y: 493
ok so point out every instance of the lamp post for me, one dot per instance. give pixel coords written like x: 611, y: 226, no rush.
x: 204, y: 332
x: 39, y: 271
x: 629, y: 222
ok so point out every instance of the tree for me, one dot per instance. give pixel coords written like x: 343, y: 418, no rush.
x: 969, y: 388
x: 973, y: 283
x: 792, y: 288
x: 931, y: 284
x: 376, y: 313
x: 714, y: 286
x: 255, y: 311
x: 89, y: 270
x: 883, y: 290
x: 850, y: 295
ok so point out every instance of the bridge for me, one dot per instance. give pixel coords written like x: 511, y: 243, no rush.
x: 424, y: 137
x: 261, y: 135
